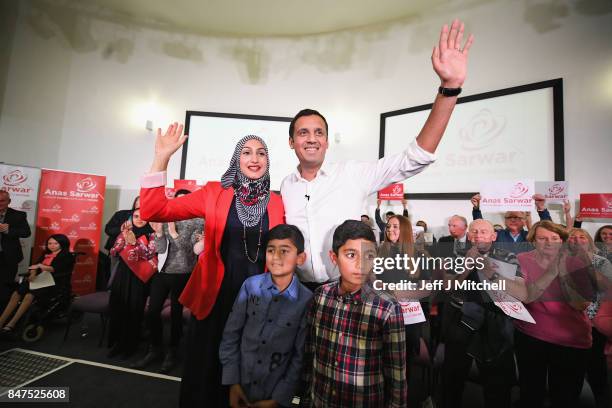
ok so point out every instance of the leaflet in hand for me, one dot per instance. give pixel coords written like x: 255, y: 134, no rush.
x: 45, y: 279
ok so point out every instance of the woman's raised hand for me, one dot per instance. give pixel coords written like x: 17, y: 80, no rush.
x: 166, y: 145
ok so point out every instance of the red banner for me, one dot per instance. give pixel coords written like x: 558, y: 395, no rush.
x: 71, y: 204
x: 190, y: 185
x: 596, y: 205
x: 392, y: 192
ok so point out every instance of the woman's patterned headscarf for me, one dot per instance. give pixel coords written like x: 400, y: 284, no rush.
x: 252, y: 196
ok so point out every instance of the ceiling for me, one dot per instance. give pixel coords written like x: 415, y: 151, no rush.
x: 256, y: 17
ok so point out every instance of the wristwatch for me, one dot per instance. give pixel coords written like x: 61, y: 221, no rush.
x: 449, y: 91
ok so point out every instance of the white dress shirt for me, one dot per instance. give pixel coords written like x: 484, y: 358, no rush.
x: 338, y: 193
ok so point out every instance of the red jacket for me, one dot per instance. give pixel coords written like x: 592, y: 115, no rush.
x: 213, y: 204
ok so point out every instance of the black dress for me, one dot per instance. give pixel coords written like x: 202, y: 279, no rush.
x: 201, y: 382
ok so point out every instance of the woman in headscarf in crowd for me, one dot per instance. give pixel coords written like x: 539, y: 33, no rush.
x: 238, y: 213
x: 55, y: 259
x: 399, y: 240
x: 134, y: 250
x: 581, y: 244
x: 556, y: 347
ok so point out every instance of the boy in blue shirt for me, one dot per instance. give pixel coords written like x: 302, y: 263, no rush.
x: 263, y: 341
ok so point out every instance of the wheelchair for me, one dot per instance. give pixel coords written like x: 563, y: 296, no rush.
x: 47, y: 309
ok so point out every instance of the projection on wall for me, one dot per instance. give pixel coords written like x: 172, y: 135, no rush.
x: 507, y: 134
x: 213, y: 137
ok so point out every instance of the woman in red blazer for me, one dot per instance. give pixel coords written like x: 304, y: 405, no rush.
x: 238, y: 213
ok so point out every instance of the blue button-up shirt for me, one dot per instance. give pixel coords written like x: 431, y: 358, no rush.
x: 263, y: 340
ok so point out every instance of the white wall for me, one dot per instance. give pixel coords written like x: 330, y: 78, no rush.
x: 76, y: 85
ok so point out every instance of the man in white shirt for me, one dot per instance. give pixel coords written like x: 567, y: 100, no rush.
x: 318, y: 196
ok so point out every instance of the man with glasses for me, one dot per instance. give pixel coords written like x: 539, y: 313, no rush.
x: 514, y: 237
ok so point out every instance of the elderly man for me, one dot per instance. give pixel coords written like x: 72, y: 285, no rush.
x: 456, y: 243
x: 313, y: 192
x: 13, y: 225
x: 474, y: 328
x: 514, y: 237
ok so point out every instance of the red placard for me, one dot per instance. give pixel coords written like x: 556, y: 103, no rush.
x: 392, y: 192
x: 190, y: 185
x: 596, y: 205
x: 72, y: 204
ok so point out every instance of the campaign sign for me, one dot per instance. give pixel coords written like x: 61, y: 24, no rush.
x: 504, y: 195
x: 190, y: 185
x: 21, y: 182
x: 392, y: 192
x: 71, y: 204
x: 596, y: 205
x: 553, y: 191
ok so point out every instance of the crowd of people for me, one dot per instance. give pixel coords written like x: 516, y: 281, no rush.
x: 280, y: 290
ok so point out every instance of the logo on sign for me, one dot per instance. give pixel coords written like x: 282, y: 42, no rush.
x: 92, y: 210
x: 519, y: 190
x: 482, y: 131
x: 14, y: 178
x: 397, y: 189
x: 27, y: 205
x: 91, y: 227
x: 86, y: 185
x: 556, y: 189
x: 54, y: 226
x: 73, y: 234
x: 74, y: 218
x: 55, y: 209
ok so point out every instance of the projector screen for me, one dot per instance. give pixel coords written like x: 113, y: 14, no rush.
x: 213, y: 137
x: 514, y: 133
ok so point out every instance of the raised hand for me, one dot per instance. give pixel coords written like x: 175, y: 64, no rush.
x: 475, y: 200
x: 540, y: 201
x: 166, y: 145
x: 450, y: 57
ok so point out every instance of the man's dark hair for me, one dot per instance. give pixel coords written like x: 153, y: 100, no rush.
x: 182, y: 191
x: 389, y: 214
x: 365, y: 215
x: 305, y: 112
x: 351, y: 229
x: 290, y: 232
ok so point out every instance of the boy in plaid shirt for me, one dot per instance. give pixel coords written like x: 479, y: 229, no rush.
x: 355, y: 352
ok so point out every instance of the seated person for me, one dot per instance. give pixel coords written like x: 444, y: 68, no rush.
x: 355, y: 353
x: 514, y: 236
x: 57, y: 260
x: 263, y: 341
x: 474, y: 328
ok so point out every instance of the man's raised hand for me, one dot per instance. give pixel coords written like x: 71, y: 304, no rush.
x: 450, y: 56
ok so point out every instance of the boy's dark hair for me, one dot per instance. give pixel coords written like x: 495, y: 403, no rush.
x: 365, y: 215
x: 305, y: 112
x: 290, y: 232
x: 351, y: 229
x: 182, y: 191
x: 389, y: 214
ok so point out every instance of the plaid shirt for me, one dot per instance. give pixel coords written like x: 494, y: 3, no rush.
x: 355, y: 353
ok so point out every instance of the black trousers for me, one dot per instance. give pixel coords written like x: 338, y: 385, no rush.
x: 163, y: 284
x: 496, y: 377
x: 597, y: 370
x: 8, y: 270
x: 563, y: 366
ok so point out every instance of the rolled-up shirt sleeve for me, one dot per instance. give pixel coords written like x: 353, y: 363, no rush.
x: 397, y: 167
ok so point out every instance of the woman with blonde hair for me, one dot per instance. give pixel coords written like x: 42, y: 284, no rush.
x: 581, y: 244
x: 557, y: 346
x: 400, y: 241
